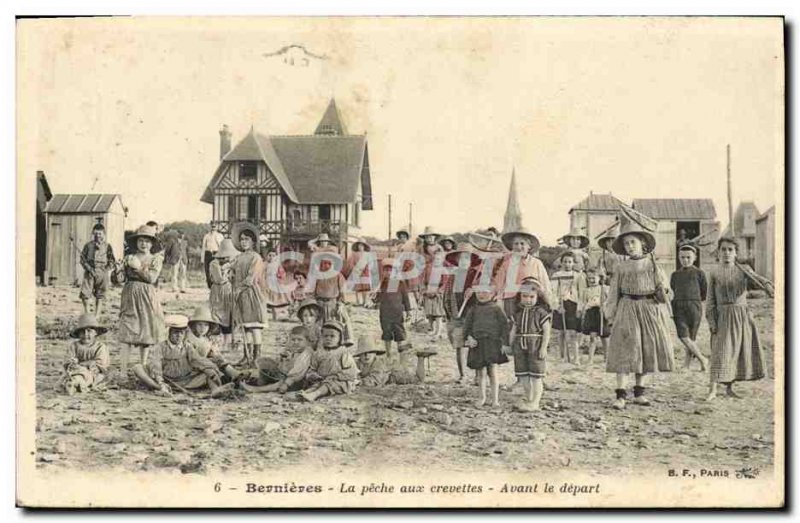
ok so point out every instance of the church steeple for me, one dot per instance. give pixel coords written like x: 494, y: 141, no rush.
x: 512, y: 221
x: 331, y: 122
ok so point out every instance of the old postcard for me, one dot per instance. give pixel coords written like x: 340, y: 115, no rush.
x: 400, y: 262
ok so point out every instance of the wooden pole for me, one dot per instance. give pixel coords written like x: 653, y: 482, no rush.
x: 730, y: 197
x: 390, y: 216
x: 410, y: 222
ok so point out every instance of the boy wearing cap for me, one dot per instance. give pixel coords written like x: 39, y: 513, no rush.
x: 333, y: 368
x: 175, y: 363
x: 97, y: 260
x: 87, y: 363
x: 393, y: 307
x: 289, y: 371
x: 689, y: 288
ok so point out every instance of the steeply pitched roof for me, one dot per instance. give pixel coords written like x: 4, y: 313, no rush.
x: 598, y: 202
x: 323, y: 169
x: 310, y: 169
x: 331, y: 122
x: 80, y: 203
x: 676, y: 208
x: 512, y: 220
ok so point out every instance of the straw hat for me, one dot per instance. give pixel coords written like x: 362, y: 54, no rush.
x: 629, y: 225
x: 203, y: 313
x: 239, y: 228
x: 226, y: 250
x: 606, y: 241
x: 686, y: 246
x: 428, y: 232
x: 87, y: 321
x: 575, y: 233
x: 443, y: 239
x: 309, y: 302
x: 366, y: 345
x: 401, y: 231
x: 146, y: 231
x: 453, y: 257
x: 176, y: 321
x: 508, y: 238
x: 323, y: 237
x: 359, y: 241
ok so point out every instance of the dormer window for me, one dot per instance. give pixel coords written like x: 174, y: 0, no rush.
x: 248, y: 171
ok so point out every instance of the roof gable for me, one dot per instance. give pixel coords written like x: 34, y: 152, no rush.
x: 81, y: 203
x: 676, y: 208
x: 325, y: 169
x: 598, y: 202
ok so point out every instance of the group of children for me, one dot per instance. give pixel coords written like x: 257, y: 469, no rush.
x: 509, y: 310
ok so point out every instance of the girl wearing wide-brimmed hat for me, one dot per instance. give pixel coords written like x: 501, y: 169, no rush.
x: 636, y: 306
x: 360, y: 249
x: 432, y: 298
x: 202, y: 326
x: 608, y: 260
x: 248, y: 301
x: 221, y: 295
x: 141, y: 320
x: 576, y: 243
x: 88, y: 362
x: 736, y: 350
x: 520, y: 259
x: 456, y: 300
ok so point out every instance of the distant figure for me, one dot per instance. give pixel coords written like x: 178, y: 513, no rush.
x: 181, y: 253
x: 211, y: 244
x: 97, y: 260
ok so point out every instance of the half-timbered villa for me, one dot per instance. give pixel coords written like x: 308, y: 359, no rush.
x: 294, y: 187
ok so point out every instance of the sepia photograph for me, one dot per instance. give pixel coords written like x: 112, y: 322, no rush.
x: 400, y: 262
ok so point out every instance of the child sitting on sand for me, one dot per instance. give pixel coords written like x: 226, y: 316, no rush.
x: 310, y: 315
x: 288, y: 372
x: 202, y: 326
x: 175, y: 363
x: 530, y: 335
x: 87, y: 364
x: 373, y: 371
x: 333, y: 368
x: 486, y: 334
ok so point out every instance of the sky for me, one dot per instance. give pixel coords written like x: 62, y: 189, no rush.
x: 640, y: 108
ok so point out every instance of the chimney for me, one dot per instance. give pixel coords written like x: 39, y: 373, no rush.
x: 224, y: 141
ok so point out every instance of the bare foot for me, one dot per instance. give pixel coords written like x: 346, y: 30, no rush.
x: 730, y: 393
x: 480, y: 403
x: 495, y: 404
x: 303, y: 395
x: 711, y: 396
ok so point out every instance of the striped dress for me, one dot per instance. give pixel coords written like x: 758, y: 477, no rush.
x: 736, y: 351
x: 640, y: 340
